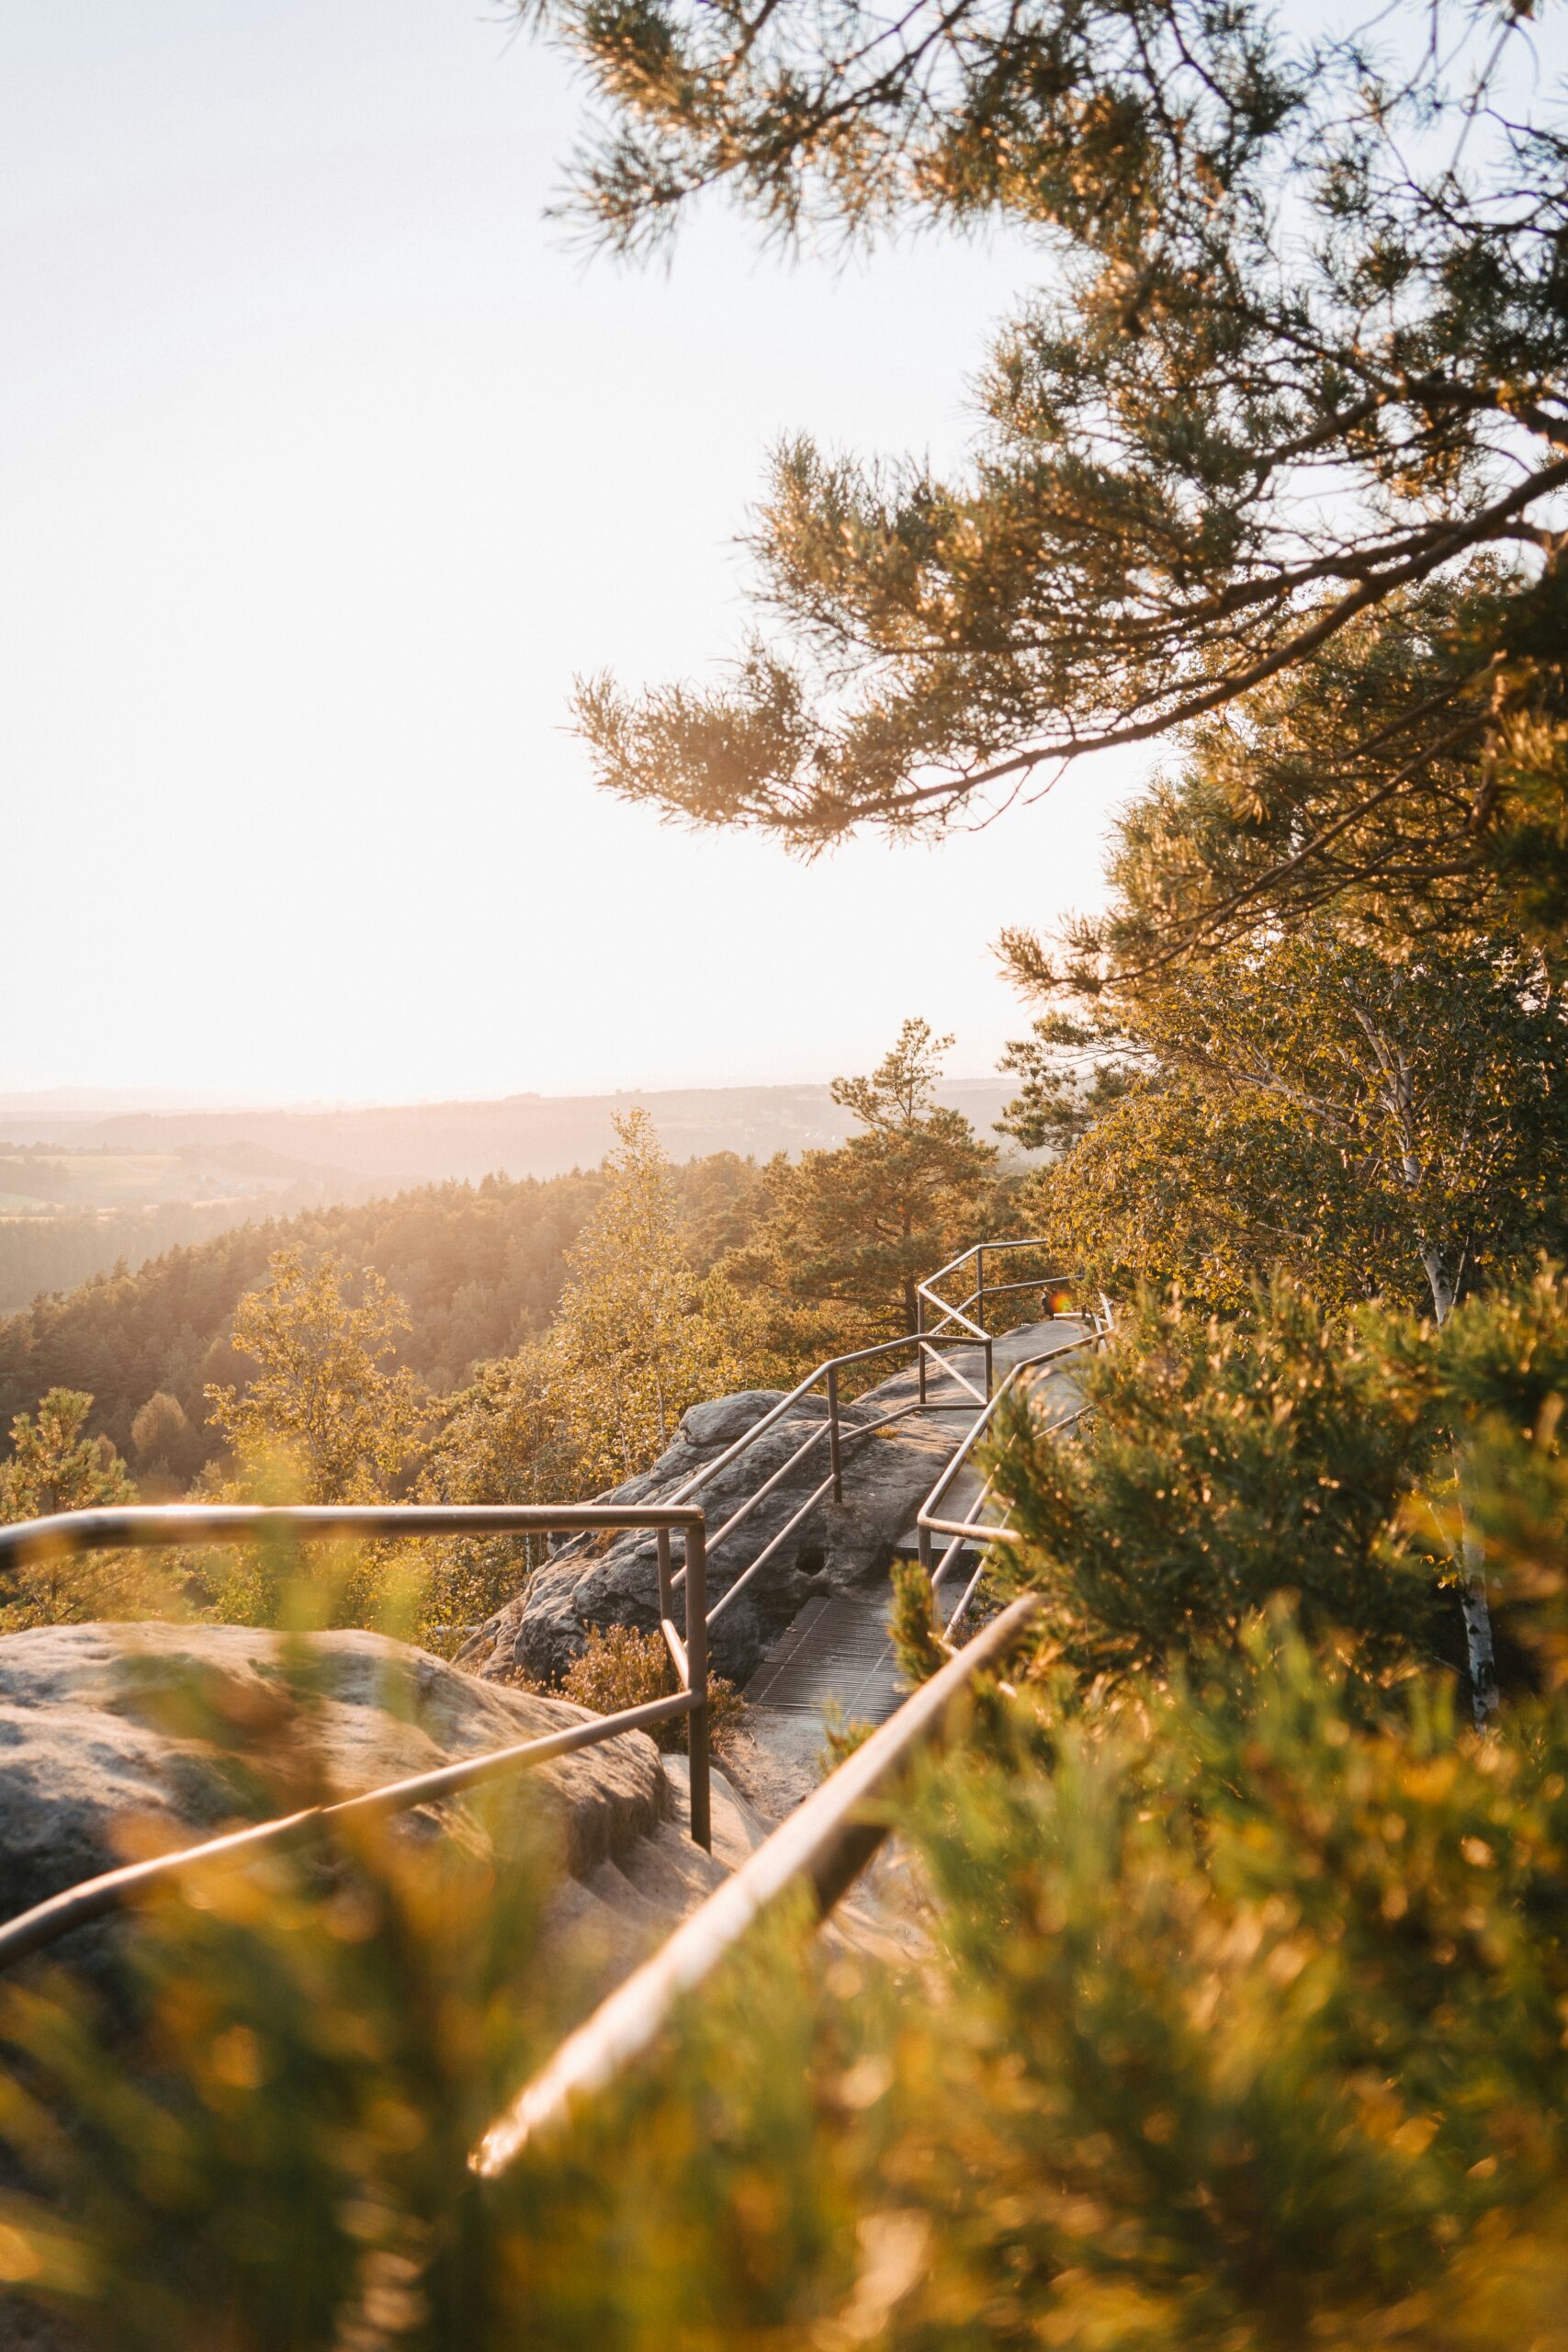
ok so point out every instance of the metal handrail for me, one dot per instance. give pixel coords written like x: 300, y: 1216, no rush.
x: 925, y: 1341
x: 965, y: 1532
x: 927, y: 1294
x: 925, y: 1520
x: 826, y: 1374
x: 822, y: 1847
x: 95, y: 1898
x: 145, y: 1526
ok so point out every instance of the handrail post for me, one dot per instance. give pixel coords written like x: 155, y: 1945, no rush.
x: 990, y: 1366
x: 697, y: 1684
x: 920, y: 1341
x: 666, y: 1589
x: 834, y: 1455
x: 980, y: 1293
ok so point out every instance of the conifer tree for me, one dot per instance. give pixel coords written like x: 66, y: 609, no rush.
x: 55, y: 1467
x: 859, y: 1225
x: 1298, y: 371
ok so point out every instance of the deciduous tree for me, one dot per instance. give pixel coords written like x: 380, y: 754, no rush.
x: 1378, y: 1125
x: 328, y: 1418
x: 637, y: 1338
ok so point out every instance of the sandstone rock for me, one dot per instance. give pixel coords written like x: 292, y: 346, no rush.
x: 591, y: 1581
x: 111, y: 1729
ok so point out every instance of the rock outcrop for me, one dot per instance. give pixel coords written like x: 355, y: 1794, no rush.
x: 594, y: 1581
x: 154, y: 1734
x: 116, y: 1740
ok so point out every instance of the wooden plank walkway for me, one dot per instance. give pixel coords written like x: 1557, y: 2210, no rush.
x: 835, y: 1660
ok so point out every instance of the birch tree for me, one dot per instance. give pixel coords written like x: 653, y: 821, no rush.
x: 328, y: 1416
x: 1380, y: 1125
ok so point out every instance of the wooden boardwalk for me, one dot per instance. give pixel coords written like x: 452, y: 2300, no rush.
x: 834, y: 1662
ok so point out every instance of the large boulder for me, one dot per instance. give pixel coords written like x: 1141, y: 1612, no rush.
x: 116, y: 1740
x: 140, y: 1738
x: 599, y: 1580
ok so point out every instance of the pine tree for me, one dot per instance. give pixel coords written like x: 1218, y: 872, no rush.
x: 1299, y: 370
x: 55, y: 1467
x: 858, y: 1226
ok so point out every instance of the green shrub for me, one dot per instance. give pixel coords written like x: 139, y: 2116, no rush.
x: 1225, y: 1464
x: 619, y: 1667
x: 1242, y: 2025
x: 1240, y: 2028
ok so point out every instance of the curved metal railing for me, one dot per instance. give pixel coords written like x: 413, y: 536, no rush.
x: 973, y: 1529
x: 140, y: 1526
x: 144, y: 1526
x: 823, y: 1846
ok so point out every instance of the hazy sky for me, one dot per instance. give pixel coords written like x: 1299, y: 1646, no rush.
x: 324, y: 463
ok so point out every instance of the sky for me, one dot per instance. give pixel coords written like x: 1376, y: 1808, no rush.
x: 325, y: 462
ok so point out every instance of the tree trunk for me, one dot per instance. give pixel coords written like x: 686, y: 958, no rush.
x: 1440, y: 1282
x: 1479, y: 1651
x: 1477, y: 1613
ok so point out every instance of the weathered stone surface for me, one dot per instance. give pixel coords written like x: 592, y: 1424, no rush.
x: 108, y: 1731
x: 591, y: 1581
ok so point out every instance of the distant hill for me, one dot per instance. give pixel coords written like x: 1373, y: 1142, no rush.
x: 518, y: 1135
x: 50, y: 1113
x: 479, y: 1267
x: 114, y: 1189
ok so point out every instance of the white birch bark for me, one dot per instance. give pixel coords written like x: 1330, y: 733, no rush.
x: 1477, y: 1624
x: 1474, y: 1607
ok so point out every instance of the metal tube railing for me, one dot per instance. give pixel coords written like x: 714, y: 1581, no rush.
x: 927, y: 1293
x: 822, y: 1847
x: 966, y: 1533
x: 850, y: 1437
x: 732, y: 1592
x: 152, y: 1526
x: 140, y: 1526
x: 95, y: 1898
x: 739, y: 1518
x: 700, y: 1478
x: 147, y: 1526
